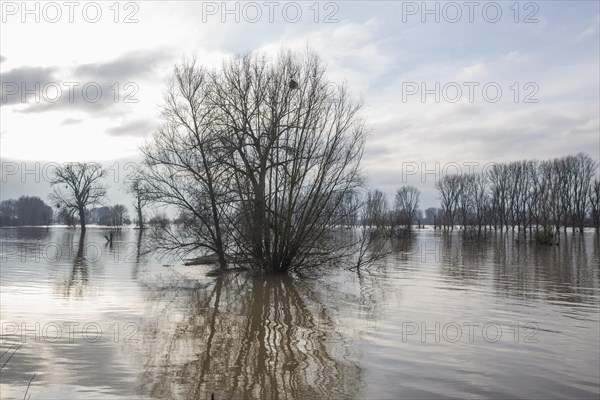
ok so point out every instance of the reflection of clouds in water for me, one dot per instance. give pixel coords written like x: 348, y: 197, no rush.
x: 245, y: 337
x: 99, y: 366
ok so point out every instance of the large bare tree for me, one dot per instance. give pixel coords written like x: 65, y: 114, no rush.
x: 77, y: 186
x: 295, y: 152
x: 260, y: 155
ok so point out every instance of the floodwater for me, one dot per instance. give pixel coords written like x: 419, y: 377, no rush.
x: 439, y: 318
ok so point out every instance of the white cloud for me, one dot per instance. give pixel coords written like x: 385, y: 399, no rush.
x: 472, y: 73
x: 369, y: 48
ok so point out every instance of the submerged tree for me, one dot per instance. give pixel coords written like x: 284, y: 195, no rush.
x: 260, y: 167
x: 528, y: 195
x: 82, y: 188
x: 118, y: 215
x: 594, y: 195
x: 375, y: 213
x: 139, y: 189
x: 584, y: 169
x: 184, y: 165
x: 450, y: 187
x: 407, y: 203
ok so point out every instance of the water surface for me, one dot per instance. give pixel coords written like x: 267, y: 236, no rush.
x: 439, y: 318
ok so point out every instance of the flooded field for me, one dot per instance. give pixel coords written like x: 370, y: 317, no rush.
x: 439, y: 318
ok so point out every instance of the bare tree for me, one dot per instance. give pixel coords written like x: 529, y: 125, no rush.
x: 478, y: 192
x: 9, y: 214
x: 66, y: 217
x: 466, y: 198
x: 141, y: 195
x: 549, y: 200
x: 594, y: 195
x: 449, y: 187
x: 294, y: 152
x: 521, y: 175
x: 430, y: 216
x: 531, y: 196
x: 118, y: 214
x: 566, y: 170
x: 349, y: 210
x: 560, y: 192
x: 407, y: 203
x: 368, y: 241
x: 82, y: 188
x: 184, y: 165
x: 375, y: 211
x: 584, y: 170
x: 260, y: 166
x: 499, y: 179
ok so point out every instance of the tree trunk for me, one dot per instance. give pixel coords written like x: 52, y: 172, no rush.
x: 82, y: 219
x: 140, y: 218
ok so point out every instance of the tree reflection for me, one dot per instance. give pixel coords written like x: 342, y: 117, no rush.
x: 78, y: 277
x: 463, y: 260
x: 139, y: 255
x: 245, y: 337
x: 520, y: 270
x: 567, y: 273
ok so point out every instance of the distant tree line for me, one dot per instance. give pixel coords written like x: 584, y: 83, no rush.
x: 25, y: 211
x: 532, y: 196
x: 33, y: 211
x: 535, y: 198
x: 394, y: 220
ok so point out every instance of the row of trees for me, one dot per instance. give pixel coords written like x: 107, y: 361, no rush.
x: 261, y: 160
x: 377, y: 214
x: 25, y: 211
x: 528, y: 195
x: 77, y: 187
x: 33, y: 211
x: 79, y: 193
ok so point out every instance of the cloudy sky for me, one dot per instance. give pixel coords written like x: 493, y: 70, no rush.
x: 445, y: 84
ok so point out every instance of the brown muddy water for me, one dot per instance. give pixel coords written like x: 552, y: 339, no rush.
x: 439, y: 318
